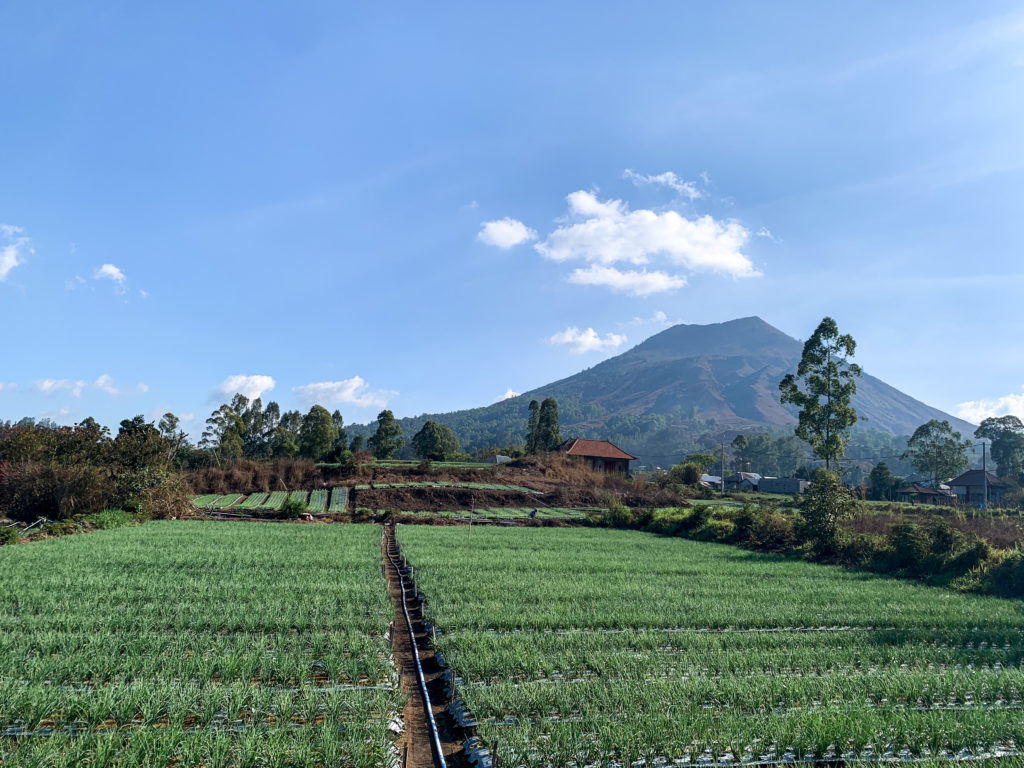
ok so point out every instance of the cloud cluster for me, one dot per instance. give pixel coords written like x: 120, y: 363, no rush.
x: 112, y: 273
x: 104, y: 383
x: 509, y: 394
x: 251, y: 386
x: 976, y: 411
x: 612, y: 241
x: 505, y: 233
x: 579, y: 342
x: 14, y: 249
x: 687, y: 189
x: 354, y: 391
x: 7, y: 386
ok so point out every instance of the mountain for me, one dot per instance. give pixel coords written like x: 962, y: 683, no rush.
x: 687, y: 379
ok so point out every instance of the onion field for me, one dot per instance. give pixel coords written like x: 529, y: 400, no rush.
x: 593, y: 647
x: 191, y: 643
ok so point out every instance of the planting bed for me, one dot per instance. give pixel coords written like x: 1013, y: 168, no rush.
x: 339, y: 500
x: 190, y: 643
x: 582, y: 646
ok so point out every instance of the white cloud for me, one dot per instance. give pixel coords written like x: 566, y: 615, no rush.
x: 144, y: 294
x: 588, y: 340
x: 976, y: 411
x: 668, y: 179
x: 7, y: 386
x: 633, y: 282
x: 250, y: 386
x: 505, y: 233
x: 355, y: 391
x: 608, y: 232
x: 659, y: 319
x: 767, y: 233
x: 74, y: 283
x: 14, y: 248
x: 142, y: 388
x: 509, y: 394
x: 110, y: 272
x: 52, y: 387
x: 105, y: 382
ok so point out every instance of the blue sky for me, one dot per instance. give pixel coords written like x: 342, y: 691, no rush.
x: 428, y: 207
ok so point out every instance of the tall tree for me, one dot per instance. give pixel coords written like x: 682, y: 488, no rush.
x: 881, y: 482
x: 285, y: 439
x: 829, y: 382
x: 388, y: 439
x: 549, y: 436
x: 531, y: 428
x: 341, y: 442
x: 317, y: 434
x: 937, y: 450
x: 435, y: 442
x: 1006, y: 434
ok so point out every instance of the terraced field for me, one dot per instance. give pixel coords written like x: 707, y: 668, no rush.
x: 190, y: 643
x: 582, y: 646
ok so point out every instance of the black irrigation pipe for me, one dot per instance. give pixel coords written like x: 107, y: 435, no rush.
x: 435, y: 738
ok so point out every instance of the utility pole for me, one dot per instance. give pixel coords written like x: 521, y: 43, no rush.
x: 984, y: 474
x: 723, y: 469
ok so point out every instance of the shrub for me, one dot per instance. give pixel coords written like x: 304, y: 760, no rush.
x: 617, y: 516
x: 9, y: 536
x: 697, y: 518
x: 715, y: 530
x: 668, y: 522
x: 110, y: 518
x: 292, y: 508
x: 911, y: 548
x: 825, y: 504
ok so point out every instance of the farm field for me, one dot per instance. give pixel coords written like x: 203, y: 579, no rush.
x: 580, y: 646
x: 191, y: 643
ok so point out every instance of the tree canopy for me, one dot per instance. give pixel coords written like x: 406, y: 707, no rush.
x: 822, y: 389
x: 1006, y: 434
x: 388, y: 438
x: 938, y: 451
x: 436, y: 442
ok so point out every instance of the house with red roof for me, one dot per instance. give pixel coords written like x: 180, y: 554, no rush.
x: 602, y: 455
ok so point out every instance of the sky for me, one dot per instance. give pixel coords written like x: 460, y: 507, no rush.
x: 428, y: 207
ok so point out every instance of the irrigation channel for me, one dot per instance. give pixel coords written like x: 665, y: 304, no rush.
x: 431, y: 737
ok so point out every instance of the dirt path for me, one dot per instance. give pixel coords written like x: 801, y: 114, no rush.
x: 416, y: 741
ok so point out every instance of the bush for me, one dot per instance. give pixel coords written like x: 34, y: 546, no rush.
x: 617, y: 516
x: 715, y: 530
x: 825, y: 504
x: 110, y: 518
x: 9, y: 536
x: 293, y: 508
x: 911, y: 548
x: 697, y: 518
x: 667, y: 522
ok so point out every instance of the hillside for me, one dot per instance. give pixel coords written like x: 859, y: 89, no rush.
x: 685, y: 380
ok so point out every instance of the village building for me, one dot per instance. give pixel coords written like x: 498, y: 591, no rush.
x: 601, y: 455
x: 743, y: 481
x: 786, y: 485
x: 915, y: 493
x: 970, y: 488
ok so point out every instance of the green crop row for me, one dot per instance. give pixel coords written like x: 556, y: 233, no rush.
x: 587, y: 646
x: 196, y: 643
x: 317, y: 500
x: 339, y: 499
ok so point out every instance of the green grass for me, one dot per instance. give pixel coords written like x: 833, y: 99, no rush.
x: 299, y: 496
x: 276, y: 499
x: 204, y: 643
x: 581, y: 644
x: 204, y: 500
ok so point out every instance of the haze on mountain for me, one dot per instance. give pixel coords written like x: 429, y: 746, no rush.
x: 686, y: 380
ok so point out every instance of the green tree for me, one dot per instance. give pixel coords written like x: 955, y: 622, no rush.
x: 317, y: 434
x: 881, y: 482
x: 341, y: 442
x: 358, y: 444
x: 937, y: 450
x: 531, y: 428
x: 436, y: 442
x: 1006, y: 434
x: 704, y: 461
x: 549, y: 436
x: 388, y: 439
x: 826, y: 502
x: 829, y: 382
x: 739, y: 445
x: 284, y: 441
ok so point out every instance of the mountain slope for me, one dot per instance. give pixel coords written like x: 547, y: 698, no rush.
x: 684, y: 380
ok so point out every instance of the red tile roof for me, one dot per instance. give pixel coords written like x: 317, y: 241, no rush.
x: 594, y: 449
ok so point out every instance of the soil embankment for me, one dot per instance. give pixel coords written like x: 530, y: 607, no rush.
x: 416, y: 741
